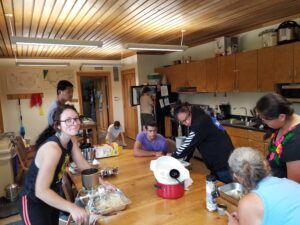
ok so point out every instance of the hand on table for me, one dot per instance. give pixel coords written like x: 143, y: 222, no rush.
x: 158, y: 154
x: 79, y: 215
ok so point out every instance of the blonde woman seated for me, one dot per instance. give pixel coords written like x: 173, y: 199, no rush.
x: 269, y: 200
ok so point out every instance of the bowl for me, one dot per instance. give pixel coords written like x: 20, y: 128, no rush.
x: 221, y: 209
x: 231, y: 192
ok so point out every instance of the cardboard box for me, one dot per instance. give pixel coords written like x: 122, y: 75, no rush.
x: 106, y: 150
x: 226, y: 45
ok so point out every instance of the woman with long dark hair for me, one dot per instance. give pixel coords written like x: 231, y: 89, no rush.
x: 41, y: 202
x: 284, y: 155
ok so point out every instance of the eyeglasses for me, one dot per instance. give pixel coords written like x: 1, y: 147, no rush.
x: 71, y: 121
x: 266, y: 119
x: 188, y: 116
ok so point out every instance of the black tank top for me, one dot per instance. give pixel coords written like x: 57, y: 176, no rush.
x: 29, y: 184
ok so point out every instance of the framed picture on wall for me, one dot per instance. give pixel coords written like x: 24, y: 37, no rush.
x: 136, y: 92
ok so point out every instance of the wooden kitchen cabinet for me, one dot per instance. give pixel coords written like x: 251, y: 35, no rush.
x: 195, y: 75
x: 211, y: 74
x: 237, y: 72
x: 257, y: 70
x: 287, y: 63
x: 246, y: 71
x: 176, y: 75
x: 247, y: 138
x: 265, y: 69
x: 283, y: 63
x: 296, y: 62
x: 226, y: 73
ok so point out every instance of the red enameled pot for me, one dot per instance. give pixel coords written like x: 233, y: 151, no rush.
x: 169, y: 191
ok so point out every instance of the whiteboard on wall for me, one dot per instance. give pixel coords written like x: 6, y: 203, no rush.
x: 36, y: 81
x: 22, y: 82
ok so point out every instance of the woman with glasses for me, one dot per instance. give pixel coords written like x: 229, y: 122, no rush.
x: 268, y: 200
x: 284, y: 147
x: 41, y: 202
x: 209, y: 138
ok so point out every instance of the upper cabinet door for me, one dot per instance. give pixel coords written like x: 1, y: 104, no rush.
x: 266, y: 69
x: 226, y: 73
x: 195, y: 75
x: 211, y: 74
x: 283, y: 63
x: 297, y: 62
x: 177, y: 76
x: 246, y: 71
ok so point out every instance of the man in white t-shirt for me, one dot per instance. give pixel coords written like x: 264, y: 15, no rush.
x: 114, y: 132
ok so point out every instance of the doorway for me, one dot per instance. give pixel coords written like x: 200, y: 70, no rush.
x: 95, y: 98
x: 130, y: 112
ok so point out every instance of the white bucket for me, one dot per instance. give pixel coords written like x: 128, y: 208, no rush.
x: 179, y: 141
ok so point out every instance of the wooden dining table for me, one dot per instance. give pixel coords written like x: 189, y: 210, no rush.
x: 136, y: 181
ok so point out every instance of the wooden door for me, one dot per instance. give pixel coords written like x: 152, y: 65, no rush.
x: 1, y: 120
x: 130, y: 112
x: 297, y: 62
x: 226, y: 73
x: 101, y: 106
x: 283, y: 63
x: 195, y: 75
x: 211, y: 74
x: 246, y: 71
x: 265, y: 69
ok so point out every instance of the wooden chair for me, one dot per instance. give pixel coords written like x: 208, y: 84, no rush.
x: 68, y: 192
x: 25, y: 155
x: 171, y: 145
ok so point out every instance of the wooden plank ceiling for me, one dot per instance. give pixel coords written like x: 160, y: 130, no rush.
x: 116, y: 22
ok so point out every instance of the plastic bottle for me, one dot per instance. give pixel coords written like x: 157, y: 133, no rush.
x: 179, y: 131
x: 211, y: 203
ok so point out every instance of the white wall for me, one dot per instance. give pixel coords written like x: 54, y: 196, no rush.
x: 33, y: 122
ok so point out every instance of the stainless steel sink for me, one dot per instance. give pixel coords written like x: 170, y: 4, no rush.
x: 236, y: 122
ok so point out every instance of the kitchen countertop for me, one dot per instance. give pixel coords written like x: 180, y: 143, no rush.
x: 242, y: 126
x: 137, y: 182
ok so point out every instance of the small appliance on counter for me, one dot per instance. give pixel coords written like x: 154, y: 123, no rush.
x: 268, y: 37
x: 225, y: 112
x: 288, y: 31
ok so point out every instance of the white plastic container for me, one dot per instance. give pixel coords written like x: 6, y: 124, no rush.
x: 269, y: 38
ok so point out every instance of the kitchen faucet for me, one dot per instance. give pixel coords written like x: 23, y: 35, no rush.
x: 246, y: 118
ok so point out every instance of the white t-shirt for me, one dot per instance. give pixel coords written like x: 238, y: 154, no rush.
x: 114, y: 133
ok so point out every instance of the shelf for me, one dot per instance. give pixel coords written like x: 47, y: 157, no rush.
x: 21, y: 96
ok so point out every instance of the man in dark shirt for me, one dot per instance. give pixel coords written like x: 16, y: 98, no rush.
x: 210, y: 139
